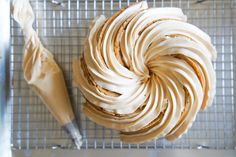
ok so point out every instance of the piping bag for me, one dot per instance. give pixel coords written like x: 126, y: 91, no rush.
x: 43, y: 74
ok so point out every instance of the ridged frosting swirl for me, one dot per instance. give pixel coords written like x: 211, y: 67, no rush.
x: 146, y: 72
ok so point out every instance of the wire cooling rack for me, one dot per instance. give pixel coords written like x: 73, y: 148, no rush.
x: 62, y: 27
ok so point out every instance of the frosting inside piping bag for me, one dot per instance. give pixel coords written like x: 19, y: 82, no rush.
x: 42, y: 72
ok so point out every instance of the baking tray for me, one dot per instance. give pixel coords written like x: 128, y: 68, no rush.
x: 63, y: 26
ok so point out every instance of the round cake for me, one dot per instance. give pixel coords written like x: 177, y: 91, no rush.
x: 146, y: 72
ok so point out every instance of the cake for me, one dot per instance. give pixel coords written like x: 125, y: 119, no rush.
x: 145, y: 72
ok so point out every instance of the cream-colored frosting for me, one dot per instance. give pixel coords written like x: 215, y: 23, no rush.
x: 43, y: 74
x: 146, y: 72
x: 40, y: 69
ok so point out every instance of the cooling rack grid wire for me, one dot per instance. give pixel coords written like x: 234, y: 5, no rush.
x: 63, y: 26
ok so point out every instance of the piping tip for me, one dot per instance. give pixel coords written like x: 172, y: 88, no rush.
x: 72, y: 129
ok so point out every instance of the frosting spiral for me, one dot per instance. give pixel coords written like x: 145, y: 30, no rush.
x: 146, y: 72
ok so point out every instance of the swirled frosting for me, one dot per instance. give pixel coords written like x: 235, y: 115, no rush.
x: 146, y: 72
